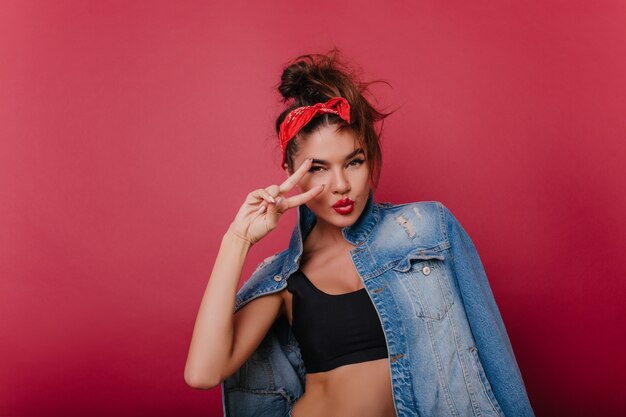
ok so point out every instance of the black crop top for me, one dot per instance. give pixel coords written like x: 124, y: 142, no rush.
x: 334, y: 330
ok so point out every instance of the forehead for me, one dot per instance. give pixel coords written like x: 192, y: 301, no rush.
x: 328, y: 143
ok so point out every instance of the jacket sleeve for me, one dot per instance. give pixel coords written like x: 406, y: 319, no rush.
x: 492, y: 341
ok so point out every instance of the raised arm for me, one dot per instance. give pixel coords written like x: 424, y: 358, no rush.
x: 216, y: 328
x: 221, y: 340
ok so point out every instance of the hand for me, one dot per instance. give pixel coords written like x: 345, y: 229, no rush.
x: 263, y: 207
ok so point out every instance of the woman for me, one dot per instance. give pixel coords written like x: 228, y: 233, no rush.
x: 377, y: 309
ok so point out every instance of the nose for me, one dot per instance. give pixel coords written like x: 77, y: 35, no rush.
x: 340, y: 184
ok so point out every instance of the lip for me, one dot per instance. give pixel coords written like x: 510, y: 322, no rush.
x: 344, y: 210
x: 343, y: 203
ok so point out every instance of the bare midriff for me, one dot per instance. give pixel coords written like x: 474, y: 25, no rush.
x: 359, y: 389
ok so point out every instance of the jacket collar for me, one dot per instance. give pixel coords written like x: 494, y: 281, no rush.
x: 356, y: 233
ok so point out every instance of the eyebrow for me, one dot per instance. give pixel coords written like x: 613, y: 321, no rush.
x: 356, y: 152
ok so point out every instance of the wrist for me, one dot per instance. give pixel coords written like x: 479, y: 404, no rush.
x: 235, y: 236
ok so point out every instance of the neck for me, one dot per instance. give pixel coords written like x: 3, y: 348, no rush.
x: 323, y: 236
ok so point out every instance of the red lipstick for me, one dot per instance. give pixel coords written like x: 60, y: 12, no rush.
x: 344, y: 206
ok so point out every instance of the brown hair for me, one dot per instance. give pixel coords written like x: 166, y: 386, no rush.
x: 315, y: 78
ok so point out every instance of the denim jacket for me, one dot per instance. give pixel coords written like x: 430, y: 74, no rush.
x: 449, y: 352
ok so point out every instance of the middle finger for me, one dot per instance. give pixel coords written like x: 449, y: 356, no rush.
x: 296, y: 176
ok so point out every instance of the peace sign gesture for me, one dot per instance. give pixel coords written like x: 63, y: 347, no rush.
x: 263, y: 207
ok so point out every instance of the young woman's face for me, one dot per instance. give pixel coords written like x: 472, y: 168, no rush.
x: 339, y: 163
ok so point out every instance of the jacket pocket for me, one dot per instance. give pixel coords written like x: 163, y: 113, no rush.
x: 485, y: 385
x: 424, y: 277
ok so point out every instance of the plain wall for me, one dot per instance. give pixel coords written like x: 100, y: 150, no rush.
x: 130, y: 133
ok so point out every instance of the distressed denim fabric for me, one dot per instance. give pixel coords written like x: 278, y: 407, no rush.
x: 449, y: 352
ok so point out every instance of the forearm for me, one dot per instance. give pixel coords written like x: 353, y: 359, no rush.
x: 212, y: 339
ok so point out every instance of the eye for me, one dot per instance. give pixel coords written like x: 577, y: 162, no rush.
x: 352, y: 163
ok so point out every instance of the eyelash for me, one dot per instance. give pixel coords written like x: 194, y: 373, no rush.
x: 313, y: 169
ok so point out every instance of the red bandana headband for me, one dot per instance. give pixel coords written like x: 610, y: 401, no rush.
x: 299, y: 117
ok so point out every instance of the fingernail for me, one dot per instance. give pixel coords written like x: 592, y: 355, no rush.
x: 271, y: 199
x: 279, y: 201
x: 262, y: 209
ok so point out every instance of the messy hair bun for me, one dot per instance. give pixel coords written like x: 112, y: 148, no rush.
x: 315, y: 78
x: 298, y: 82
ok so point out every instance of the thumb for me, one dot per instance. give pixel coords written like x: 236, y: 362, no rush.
x: 274, y: 212
x: 280, y: 204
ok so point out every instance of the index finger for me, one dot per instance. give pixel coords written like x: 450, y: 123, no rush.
x: 294, y: 178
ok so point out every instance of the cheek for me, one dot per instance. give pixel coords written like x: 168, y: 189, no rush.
x: 310, y: 181
x: 359, y: 177
x: 303, y: 188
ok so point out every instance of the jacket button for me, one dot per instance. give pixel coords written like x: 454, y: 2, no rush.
x: 277, y: 277
x: 426, y: 270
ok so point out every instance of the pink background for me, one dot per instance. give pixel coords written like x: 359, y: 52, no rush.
x: 130, y: 133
